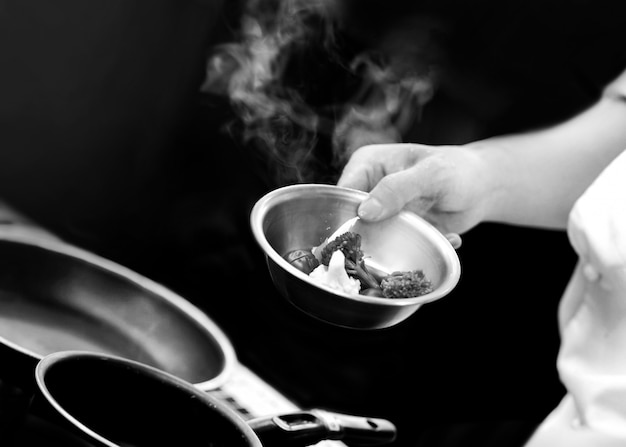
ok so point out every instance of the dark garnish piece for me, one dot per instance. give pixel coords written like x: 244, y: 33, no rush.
x: 350, y: 245
x: 405, y: 284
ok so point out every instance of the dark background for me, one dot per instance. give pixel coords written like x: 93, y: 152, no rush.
x: 105, y: 139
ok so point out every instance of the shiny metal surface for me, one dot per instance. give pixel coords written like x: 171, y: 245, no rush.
x: 304, y: 215
x: 57, y: 297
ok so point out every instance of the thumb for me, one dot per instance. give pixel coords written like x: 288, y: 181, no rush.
x: 395, y: 191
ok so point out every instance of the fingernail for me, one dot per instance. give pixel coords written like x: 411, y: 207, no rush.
x: 370, y: 209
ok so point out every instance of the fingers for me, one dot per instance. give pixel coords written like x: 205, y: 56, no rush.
x: 382, y: 202
x: 359, y: 172
x: 356, y: 177
x: 393, y: 192
x: 395, y: 175
x: 455, y: 240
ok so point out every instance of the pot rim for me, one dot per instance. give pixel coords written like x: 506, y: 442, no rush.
x: 203, y: 321
x: 168, y: 379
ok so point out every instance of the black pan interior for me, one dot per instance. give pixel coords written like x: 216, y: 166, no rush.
x: 53, y: 301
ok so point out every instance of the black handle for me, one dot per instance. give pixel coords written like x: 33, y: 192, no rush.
x: 305, y: 428
x: 365, y: 431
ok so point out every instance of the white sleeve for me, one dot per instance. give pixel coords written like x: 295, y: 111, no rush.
x: 592, y: 322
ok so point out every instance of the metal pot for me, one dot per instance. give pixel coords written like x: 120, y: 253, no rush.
x: 57, y: 297
x: 111, y: 401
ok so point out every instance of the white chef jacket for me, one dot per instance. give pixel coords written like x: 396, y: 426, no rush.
x: 592, y: 322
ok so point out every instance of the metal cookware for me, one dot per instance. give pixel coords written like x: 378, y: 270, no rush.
x: 57, y: 297
x: 302, y: 216
x: 111, y: 401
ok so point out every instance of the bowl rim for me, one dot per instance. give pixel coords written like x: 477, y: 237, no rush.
x: 265, y: 203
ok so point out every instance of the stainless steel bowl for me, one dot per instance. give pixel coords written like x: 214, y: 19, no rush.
x: 302, y: 216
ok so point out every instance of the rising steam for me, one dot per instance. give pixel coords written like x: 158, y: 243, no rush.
x: 278, y: 113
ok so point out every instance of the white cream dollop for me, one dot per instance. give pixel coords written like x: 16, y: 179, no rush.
x: 335, y: 275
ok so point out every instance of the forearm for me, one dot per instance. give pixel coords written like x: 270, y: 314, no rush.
x: 536, y: 177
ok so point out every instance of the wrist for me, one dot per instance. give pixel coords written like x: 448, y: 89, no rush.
x: 493, y: 177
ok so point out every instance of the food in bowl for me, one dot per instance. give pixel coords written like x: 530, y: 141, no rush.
x: 335, y: 275
x: 340, y: 264
x: 299, y: 217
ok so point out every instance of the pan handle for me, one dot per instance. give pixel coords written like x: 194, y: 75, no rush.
x: 309, y: 427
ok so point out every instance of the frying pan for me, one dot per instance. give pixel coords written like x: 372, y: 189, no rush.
x: 55, y: 297
x: 110, y: 402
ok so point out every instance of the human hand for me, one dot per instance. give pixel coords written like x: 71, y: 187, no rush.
x: 446, y: 185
